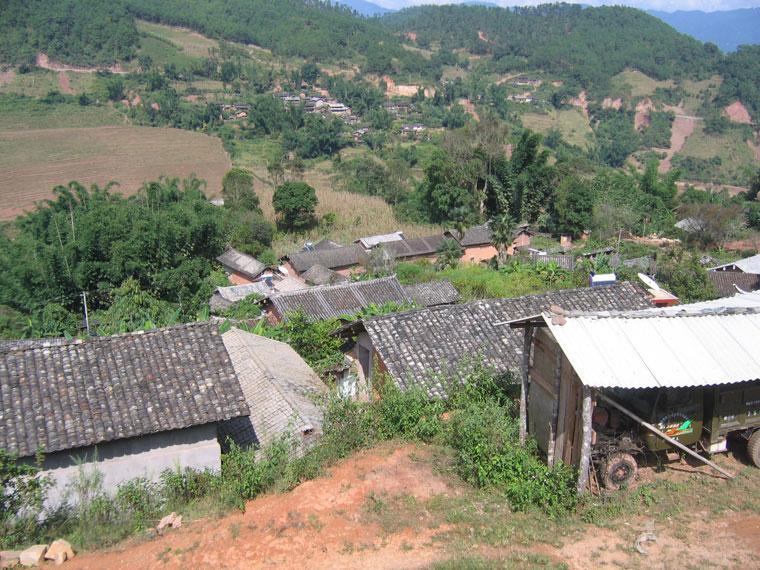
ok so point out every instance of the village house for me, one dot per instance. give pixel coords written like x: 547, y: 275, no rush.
x: 241, y: 268
x: 412, y: 130
x: 131, y: 405
x: 579, y: 366
x: 224, y: 297
x: 429, y: 347
x: 746, y: 265
x: 320, y: 275
x: 728, y: 283
x: 526, y: 81
x: 432, y: 293
x: 416, y: 248
x: 281, y: 390
x: 522, y: 98
x: 477, y: 243
x: 336, y: 301
x: 566, y: 262
x: 344, y: 260
x: 371, y: 241
x: 138, y: 404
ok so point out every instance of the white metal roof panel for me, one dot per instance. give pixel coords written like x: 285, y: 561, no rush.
x: 651, y: 350
x: 747, y: 265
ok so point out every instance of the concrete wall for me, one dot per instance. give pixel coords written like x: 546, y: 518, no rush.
x: 147, y: 456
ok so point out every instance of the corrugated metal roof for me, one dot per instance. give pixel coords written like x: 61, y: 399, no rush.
x: 369, y: 242
x: 738, y: 301
x: 748, y: 264
x: 648, y: 350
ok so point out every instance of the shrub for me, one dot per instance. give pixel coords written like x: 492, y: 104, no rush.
x: 484, y: 436
x: 409, y: 414
x: 23, y: 493
x: 139, y: 500
x: 244, y: 476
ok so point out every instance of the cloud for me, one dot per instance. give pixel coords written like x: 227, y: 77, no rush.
x: 665, y: 5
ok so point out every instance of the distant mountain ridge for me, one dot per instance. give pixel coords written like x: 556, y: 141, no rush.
x: 364, y: 8
x: 727, y: 29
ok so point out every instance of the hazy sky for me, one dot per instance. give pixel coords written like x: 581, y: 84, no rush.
x: 665, y: 5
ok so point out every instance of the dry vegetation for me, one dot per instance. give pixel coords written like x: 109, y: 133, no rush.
x: 32, y: 162
x: 573, y: 125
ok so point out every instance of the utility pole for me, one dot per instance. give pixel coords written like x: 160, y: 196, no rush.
x: 86, y: 316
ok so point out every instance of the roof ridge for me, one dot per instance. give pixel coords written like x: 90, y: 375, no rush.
x: 36, y: 344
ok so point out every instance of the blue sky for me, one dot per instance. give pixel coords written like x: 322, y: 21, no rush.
x: 665, y: 5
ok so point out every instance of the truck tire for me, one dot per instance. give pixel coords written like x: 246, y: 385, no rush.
x: 753, y: 448
x: 618, y: 470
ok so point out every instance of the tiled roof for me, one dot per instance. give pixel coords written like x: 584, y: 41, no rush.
x: 432, y: 293
x: 279, y: 387
x: 340, y: 300
x: 326, y: 245
x: 564, y: 261
x: 724, y: 282
x: 331, y: 258
x: 242, y: 263
x: 86, y: 392
x: 415, y: 247
x: 476, y: 235
x: 426, y: 347
x: 320, y: 275
x: 225, y: 297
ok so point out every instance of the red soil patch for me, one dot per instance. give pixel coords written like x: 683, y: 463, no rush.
x: 470, y: 108
x: 393, y: 89
x: 610, y: 103
x: 581, y: 101
x: 643, y: 108
x: 320, y: 524
x: 738, y: 113
x: 411, y: 36
x: 682, y: 129
x: 64, y: 84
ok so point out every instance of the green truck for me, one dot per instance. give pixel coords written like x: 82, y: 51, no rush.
x: 702, y: 418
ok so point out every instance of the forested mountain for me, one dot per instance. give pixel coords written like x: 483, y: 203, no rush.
x: 727, y: 29
x: 70, y: 31
x: 311, y: 29
x: 589, y: 45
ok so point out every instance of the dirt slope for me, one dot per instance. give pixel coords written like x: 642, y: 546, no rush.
x: 378, y: 510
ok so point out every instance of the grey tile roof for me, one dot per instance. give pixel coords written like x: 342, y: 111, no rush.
x: 225, y: 297
x: 415, y: 247
x: 86, y: 392
x: 432, y: 293
x: 564, y: 261
x: 426, y: 347
x: 335, y: 258
x: 724, y: 282
x: 234, y: 260
x: 281, y: 390
x: 340, y: 300
x: 476, y: 235
x: 326, y: 245
x: 320, y: 275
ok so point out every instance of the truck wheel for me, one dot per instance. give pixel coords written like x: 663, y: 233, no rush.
x: 753, y: 448
x: 618, y: 471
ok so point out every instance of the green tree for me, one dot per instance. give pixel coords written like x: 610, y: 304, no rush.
x: 238, y: 192
x: 574, y: 206
x: 295, y: 205
x: 502, y: 233
x: 448, y: 254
